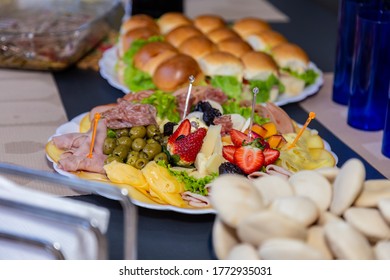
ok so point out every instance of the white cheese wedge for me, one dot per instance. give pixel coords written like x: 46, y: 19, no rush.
x: 213, y: 163
x: 210, y: 139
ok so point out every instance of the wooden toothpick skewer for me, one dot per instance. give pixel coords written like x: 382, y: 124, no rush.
x: 312, y: 115
x: 95, y: 123
x: 191, y: 79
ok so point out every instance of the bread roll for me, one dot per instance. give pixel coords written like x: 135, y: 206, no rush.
x: 264, y: 40
x: 258, y: 66
x: 235, y: 46
x: 174, y: 72
x: 182, y: 33
x: 197, y: 47
x: 171, y: 20
x: 249, y: 25
x: 208, y: 22
x: 222, y: 64
x: 222, y: 33
x: 137, y: 21
x: 152, y: 54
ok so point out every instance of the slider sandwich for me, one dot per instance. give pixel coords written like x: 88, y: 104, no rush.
x: 261, y: 71
x: 222, y: 33
x: 135, y: 68
x: 171, y: 20
x: 265, y: 40
x: 197, y: 47
x: 182, y: 33
x: 208, y: 22
x: 223, y: 70
x: 234, y: 46
x: 293, y: 63
x: 249, y: 25
x: 136, y: 27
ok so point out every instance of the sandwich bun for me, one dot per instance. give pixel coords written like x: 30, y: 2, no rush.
x: 180, y: 34
x: 171, y: 20
x: 152, y: 54
x: 209, y: 22
x: 137, y: 21
x: 288, y: 55
x: 221, y: 34
x: 220, y: 63
x: 258, y: 66
x: 197, y: 47
x: 235, y: 46
x: 265, y: 40
x: 250, y: 25
x: 127, y: 39
x: 174, y: 72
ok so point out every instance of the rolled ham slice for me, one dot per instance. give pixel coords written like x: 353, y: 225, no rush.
x: 271, y: 169
x: 196, y: 200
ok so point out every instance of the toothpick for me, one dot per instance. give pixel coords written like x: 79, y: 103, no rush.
x: 312, y: 115
x: 255, y: 92
x: 95, y: 123
x: 191, y: 79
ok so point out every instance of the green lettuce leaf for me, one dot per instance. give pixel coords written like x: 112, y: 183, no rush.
x: 165, y: 104
x: 192, y: 184
x: 309, y: 76
x: 137, y: 80
x: 136, y: 45
x: 228, y: 84
x: 234, y: 107
x: 265, y: 88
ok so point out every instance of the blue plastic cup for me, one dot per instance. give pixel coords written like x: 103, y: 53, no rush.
x: 347, y: 12
x: 386, y: 131
x: 370, y: 71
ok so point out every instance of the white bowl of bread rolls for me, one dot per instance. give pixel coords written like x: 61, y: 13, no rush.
x: 204, y: 45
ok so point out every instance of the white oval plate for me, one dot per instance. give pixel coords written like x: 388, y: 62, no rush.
x: 74, y: 126
x: 108, y: 62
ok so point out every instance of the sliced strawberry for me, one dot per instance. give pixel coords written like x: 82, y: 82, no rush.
x: 239, y: 137
x: 270, y: 155
x: 249, y: 159
x: 228, y: 152
x: 183, y: 129
x: 188, y: 147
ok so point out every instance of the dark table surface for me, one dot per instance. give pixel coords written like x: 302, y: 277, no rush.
x: 171, y: 235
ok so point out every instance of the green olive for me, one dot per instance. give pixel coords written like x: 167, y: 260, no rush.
x: 152, y: 149
x: 112, y: 158
x: 140, y: 163
x: 161, y: 156
x: 137, y: 132
x: 152, y: 130
x: 138, y: 144
x: 122, y: 132
x: 131, y: 159
x: 109, y: 145
x: 151, y: 140
x: 121, y: 151
x: 143, y: 155
x: 133, y: 153
x: 124, y: 140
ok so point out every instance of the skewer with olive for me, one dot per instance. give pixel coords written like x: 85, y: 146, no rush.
x: 135, y: 146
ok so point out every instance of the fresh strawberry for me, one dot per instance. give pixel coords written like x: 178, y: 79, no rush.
x: 183, y: 129
x: 270, y: 155
x: 228, y: 152
x: 249, y: 159
x: 239, y: 137
x: 187, y: 147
